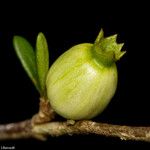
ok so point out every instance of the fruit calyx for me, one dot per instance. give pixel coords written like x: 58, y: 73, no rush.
x: 107, y: 50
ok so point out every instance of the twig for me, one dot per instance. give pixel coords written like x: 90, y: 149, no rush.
x: 16, y: 130
x: 89, y: 127
x: 25, y: 130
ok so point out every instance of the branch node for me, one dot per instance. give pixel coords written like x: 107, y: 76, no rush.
x: 45, y: 114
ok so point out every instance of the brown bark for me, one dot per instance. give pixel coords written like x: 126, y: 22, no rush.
x: 16, y: 130
x: 26, y: 130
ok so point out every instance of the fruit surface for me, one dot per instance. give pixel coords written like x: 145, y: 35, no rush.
x: 79, y: 84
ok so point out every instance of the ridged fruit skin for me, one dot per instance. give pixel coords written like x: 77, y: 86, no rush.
x: 78, y: 86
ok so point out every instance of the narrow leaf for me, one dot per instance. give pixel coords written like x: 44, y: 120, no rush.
x: 42, y: 58
x: 27, y: 57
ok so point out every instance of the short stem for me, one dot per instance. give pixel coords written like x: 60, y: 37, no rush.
x: 45, y: 114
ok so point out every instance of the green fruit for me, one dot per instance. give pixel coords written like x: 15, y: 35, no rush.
x: 82, y: 81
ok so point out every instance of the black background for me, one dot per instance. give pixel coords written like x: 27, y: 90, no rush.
x: 65, y: 25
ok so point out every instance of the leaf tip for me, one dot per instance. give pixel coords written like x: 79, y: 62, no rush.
x: 41, y: 36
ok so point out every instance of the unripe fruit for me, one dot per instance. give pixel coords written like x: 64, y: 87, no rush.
x: 82, y: 81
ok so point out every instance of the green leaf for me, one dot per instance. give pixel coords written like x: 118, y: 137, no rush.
x: 27, y: 57
x: 42, y: 58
